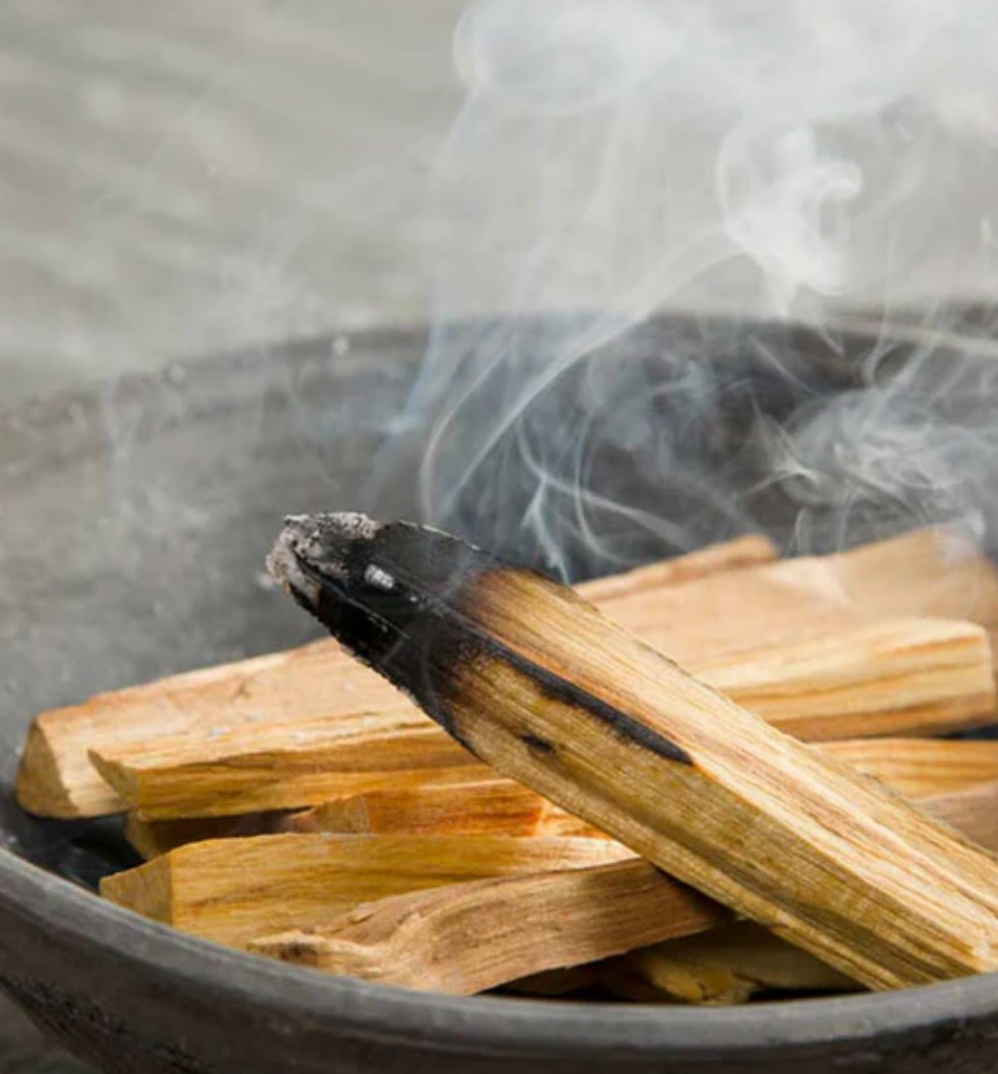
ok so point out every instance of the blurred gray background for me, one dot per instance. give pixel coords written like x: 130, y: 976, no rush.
x: 183, y: 178
x: 186, y: 177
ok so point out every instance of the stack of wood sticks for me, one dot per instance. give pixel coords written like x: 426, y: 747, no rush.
x: 706, y: 779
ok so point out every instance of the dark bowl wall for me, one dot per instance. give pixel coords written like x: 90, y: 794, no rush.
x: 135, y: 521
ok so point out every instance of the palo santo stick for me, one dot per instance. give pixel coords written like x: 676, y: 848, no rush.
x: 690, y: 621
x: 489, y: 806
x: 153, y: 838
x: 894, y: 677
x: 884, y: 677
x: 970, y: 810
x: 537, y: 683
x: 502, y: 807
x: 231, y: 890
x: 267, y: 768
x: 433, y: 941
x: 914, y: 767
x: 731, y: 964
x: 56, y: 779
x: 931, y: 573
x: 919, y: 767
x: 935, y: 572
x: 469, y: 937
x: 734, y: 962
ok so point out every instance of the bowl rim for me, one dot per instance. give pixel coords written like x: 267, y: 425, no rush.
x: 487, y: 1025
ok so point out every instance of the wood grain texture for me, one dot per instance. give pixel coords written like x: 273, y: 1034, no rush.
x: 891, y: 677
x: 870, y: 874
x: 912, y: 676
x: 232, y: 890
x: 956, y: 780
x: 817, y: 665
x: 929, y: 573
x: 55, y: 777
x: 537, y: 683
x: 479, y: 935
x: 952, y: 771
x: 435, y: 941
x: 470, y: 937
x: 263, y: 768
x: 489, y: 806
x: 920, y: 767
x: 748, y: 551
x: 973, y: 811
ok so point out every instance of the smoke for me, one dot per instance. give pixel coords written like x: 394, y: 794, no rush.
x: 636, y: 204
x: 783, y: 160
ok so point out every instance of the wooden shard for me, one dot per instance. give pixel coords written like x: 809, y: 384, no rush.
x: 231, y: 890
x: 263, y: 768
x: 470, y: 937
x: 730, y: 965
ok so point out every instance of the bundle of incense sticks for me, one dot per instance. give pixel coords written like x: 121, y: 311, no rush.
x: 516, y: 787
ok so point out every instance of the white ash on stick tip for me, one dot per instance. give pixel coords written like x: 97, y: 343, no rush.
x: 313, y: 539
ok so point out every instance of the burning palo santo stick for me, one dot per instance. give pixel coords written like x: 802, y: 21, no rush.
x: 734, y: 962
x: 231, y: 890
x: 936, y: 682
x: 466, y: 938
x: 56, y: 778
x: 542, y: 687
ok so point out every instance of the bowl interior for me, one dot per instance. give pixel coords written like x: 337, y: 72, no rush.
x: 137, y: 515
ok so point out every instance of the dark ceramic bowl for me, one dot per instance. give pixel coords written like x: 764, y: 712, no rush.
x: 135, y: 520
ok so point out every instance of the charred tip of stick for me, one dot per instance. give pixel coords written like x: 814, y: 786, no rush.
x: 316, y: 548
x: 285, y: 567
x: 350, y: 557
x: 371, y: 584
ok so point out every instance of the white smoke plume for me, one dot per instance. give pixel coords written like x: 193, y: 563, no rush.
x: 782, y: 160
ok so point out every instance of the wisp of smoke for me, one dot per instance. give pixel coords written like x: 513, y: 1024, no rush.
x: 796, y: 159
x: 792, y: 160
